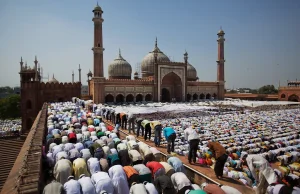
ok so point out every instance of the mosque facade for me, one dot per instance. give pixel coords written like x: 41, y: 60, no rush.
x: 161, y: 79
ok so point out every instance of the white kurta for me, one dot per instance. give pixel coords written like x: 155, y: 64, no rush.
x: 102, y: 181
x: 62, y: 170
x: 119, y: 179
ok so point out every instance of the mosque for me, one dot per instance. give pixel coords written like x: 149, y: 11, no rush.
x: 161, y: 79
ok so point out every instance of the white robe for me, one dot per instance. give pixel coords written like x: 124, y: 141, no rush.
x: 119, y: 179
x: 62, y: 170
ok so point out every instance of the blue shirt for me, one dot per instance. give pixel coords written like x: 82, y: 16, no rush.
x: 176, y: 164
x: 168, y: 131
x: 96, y: 121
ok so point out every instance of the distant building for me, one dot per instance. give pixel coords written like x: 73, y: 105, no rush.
x: 290, y: 92
x: 34, y: 92
x: 17, y: 90
x: 84, y: 90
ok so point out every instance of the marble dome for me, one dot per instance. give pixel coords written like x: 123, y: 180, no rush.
x: 191, y: 73
x: 119, y: 68
x: 147, y: 65
x: 53, y: 80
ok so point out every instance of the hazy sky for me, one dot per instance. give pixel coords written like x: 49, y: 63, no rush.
x: 262, y: 36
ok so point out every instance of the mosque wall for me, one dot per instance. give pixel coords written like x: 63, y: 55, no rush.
x: 34, y: 94
x: 289, y: 94
x: 119, y: 93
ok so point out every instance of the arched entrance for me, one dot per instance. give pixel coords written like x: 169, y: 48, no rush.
x: 148, y: 97
x: 129, y: 98
x: 139, y: 98
x: 282, y: 95
x: 28, y: 124
x: 195, y: 97
x: 173, y: 87
x: 202, y: 96
x: 188, y: 97
x: 109, y: 98
x: 119, y: 98
x: 165, y: 95
x: 293, y: 98
x: 215, y: 96
x: 208, y: 96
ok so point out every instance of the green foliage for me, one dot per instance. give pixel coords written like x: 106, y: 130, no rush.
x: 267, y: 89
x: 10, y: 107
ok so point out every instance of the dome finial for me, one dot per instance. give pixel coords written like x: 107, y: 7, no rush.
x: 156, y: 42
x: 97, y: 3
x: 53, y: 76
x: 120, y: 53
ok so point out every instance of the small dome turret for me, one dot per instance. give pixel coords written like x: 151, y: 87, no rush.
x: 191, y: 73
x: 119, y: 68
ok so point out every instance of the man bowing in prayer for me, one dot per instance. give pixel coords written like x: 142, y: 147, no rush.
x: 220, y: 155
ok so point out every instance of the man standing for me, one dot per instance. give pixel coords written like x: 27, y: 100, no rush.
x: 123, y: 117
x: 156, y: 126
x: 170, y: 135
x: 139, y: 126
x: 131, y: 119
x: 146, y: 125
x: 193, y: 138
x: 220, y: 155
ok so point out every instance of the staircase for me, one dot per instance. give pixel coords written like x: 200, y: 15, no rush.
x: 9, y: 151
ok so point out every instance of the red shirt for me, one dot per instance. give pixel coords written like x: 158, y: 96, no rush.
x: 154, y: 166
x: 72, y: 136
x: 110, y: 128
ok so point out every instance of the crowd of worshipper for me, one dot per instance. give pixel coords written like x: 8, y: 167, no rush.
x: 83, y: 155
x: 10, y: 127
x: 261, y: 136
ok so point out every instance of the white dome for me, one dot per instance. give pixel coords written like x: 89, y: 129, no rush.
x: 119, y: 68
x: 147, y: 65
x: 191, y: 73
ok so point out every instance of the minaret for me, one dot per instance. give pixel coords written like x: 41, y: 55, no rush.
x: 36, y: 69
x: 221, y: 61
x: 98, y: 42
x: 185, y: 56
x: 79, y: 70
x: 21, y: 64
x: 72, y: 76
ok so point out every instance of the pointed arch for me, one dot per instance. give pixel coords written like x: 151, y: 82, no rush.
x: 109, y: 98
x: 119, y: 98
x: 215, y: 96
x: 202, y: 96
x: 195, y: 97
x: 129, y: 98
x: 139, y: 98
x: 208, y: 96
x: 148, y: 97
x: 282, y: 96
x: 188, y: 97
x: 293, y: 98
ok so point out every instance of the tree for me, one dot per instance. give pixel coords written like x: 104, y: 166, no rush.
x: 267, y: 89
x: 10, y: 107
